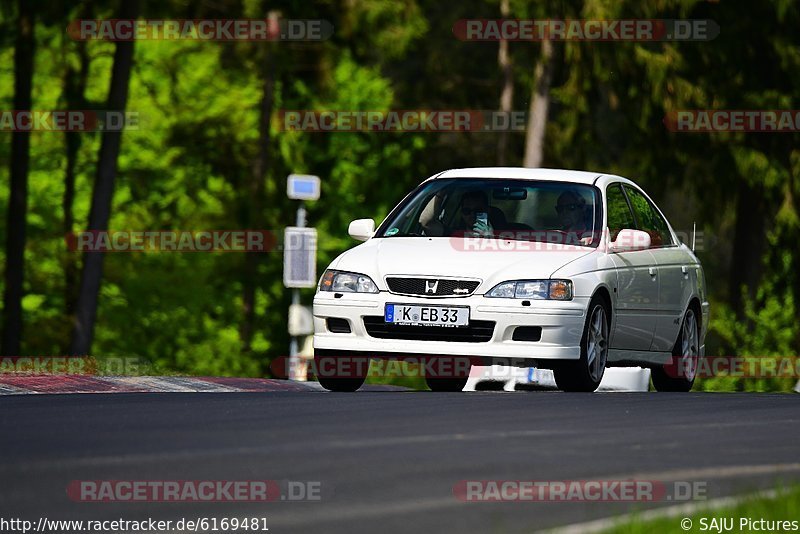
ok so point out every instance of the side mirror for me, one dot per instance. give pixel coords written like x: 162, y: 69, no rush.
x: 361, y: 229
x: 630, y: 240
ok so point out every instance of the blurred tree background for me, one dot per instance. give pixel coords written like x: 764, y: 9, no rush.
x: 209, y: 155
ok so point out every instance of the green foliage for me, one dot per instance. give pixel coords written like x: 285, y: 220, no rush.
x: 766, y: 339
x: 396, y: 373
x: 190, y: 164
x: 782, y: 506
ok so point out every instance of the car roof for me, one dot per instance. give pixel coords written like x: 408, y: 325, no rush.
x: 522, y: 173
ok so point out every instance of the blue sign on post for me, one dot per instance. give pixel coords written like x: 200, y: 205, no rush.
x: 302, y: 187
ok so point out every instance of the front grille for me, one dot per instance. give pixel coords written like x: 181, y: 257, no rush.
x: 475, y: 332
x: 431, y: 287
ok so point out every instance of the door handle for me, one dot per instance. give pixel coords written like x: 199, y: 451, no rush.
x: 685, y: 271
x: 653, y: 271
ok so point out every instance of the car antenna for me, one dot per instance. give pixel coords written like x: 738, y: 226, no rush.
x: 694, y: 227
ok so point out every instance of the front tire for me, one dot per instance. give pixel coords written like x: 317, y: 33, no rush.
x: 586, y: 373
x: 341, y: 373
x: 679, y: 374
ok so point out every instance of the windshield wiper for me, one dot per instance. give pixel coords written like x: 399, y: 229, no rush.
x: 408, y: 234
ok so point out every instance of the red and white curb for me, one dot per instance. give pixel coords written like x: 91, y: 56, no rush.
x: 43, y: 384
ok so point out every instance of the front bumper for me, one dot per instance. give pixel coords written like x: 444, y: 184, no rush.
x: 561, y: 326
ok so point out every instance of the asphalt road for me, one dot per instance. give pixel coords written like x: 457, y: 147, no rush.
x: 387, y: 461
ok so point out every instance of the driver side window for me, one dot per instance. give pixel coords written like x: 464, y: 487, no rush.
x: 619, y: 212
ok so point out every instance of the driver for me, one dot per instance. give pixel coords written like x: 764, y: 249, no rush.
x: 473, y: 204
x: 468, y: 221
x: 571, y: 209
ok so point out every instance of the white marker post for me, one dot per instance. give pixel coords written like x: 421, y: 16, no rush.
x: 299, y: 260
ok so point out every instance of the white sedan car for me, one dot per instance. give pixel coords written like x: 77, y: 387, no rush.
x: 565, y: 270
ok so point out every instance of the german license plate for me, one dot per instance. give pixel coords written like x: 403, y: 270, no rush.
x: 426, y: 315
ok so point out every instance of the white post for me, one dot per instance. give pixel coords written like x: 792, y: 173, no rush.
x: 294, y: 360
x: 300, y: 187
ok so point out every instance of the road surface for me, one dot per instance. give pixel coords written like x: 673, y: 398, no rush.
x: 388, y: 461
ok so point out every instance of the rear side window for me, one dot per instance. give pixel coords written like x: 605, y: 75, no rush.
x: 619, y: 213
x: 649, y: 219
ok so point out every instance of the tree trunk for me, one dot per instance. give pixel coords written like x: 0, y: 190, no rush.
x: 507, y: 94
x: 74, y: 90
x: 91, y: 276
x: 18, y: 197
x: 749, y: 242
x: 256, y: 192
x: 540, y: 102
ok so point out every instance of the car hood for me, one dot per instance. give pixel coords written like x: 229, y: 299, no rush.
x: 494, y: 261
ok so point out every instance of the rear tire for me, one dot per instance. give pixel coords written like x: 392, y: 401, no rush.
x: 679, y: 374
x: 341, y: 373
x: 586, y: 373
x: 446, y: 384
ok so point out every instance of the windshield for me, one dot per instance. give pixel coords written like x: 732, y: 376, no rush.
x: 552, y: 212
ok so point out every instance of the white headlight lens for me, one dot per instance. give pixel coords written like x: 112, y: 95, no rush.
x: 341, y: 282
x: 533, y: 289
x: 345, y: 282
x: 366, y: 285
x: 504, y: 290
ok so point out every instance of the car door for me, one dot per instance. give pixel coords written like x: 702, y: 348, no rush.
x: 672, y: 269
x: 637, y: 286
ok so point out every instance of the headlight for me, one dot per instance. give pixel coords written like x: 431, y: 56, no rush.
x: 533, y: 289
x: 343, y: 282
